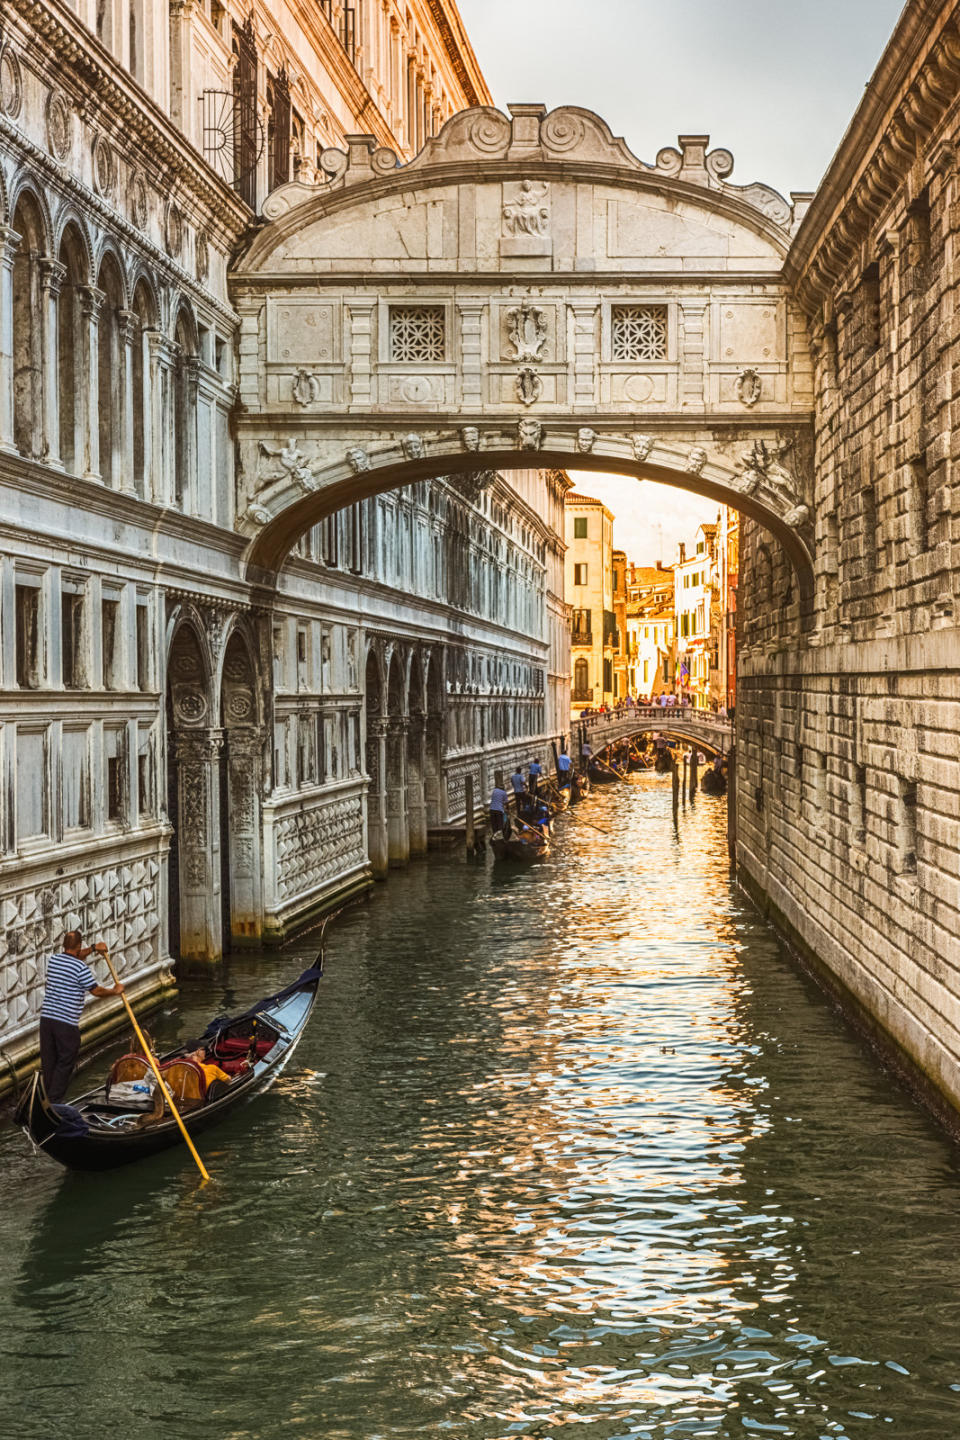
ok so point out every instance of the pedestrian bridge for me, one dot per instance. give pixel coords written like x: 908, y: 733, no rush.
x: 711, y: 732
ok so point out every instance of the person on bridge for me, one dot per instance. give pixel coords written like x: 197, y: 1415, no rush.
x: 564, y: 769
x: 69, y: 981
x: 498, y: 804
x: 586, y: 754
x: 536, y: 770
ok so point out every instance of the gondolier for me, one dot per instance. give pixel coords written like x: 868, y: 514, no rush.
x: 69, y: 982
x: 564, y: 769
x: 498, y: 804
x: 535, y: 772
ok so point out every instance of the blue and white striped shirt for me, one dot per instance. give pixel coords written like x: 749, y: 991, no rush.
x: 68, y: 980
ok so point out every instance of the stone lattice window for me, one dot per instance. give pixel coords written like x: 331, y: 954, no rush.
x: 417, y: 332
x: 639, y: 332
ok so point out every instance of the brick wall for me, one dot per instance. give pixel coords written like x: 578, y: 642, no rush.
x: 849, y: 731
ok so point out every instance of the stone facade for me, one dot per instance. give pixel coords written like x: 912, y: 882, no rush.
x: 183, y: 757
x: 847, y: 716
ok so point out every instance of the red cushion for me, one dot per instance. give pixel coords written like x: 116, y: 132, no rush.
x: 236, y: 1046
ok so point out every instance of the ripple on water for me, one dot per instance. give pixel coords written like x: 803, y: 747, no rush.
x: 573, y: 1154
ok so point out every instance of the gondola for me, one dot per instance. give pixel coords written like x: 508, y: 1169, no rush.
x: 525, y: 849
x: 120, y: 1121
x: 713, y: 782
x: 602, y: 775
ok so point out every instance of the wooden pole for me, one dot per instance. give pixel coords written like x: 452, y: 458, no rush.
x: 693, y: 773
x: 683, y: 786
x: 156, y: 1070
x: 675, y: 773
x: 471, y: 826
x: 732, y: 804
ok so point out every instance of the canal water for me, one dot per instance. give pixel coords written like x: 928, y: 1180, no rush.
x: 572, y: 1153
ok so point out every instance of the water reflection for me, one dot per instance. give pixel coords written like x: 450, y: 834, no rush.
x: 572, y: 1152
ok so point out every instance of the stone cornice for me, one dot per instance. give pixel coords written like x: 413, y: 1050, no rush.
x: 456, y: 43
x: 913, y: 87
x: 102, y: 90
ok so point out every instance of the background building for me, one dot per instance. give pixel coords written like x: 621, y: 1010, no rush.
x: 651, y: 631
x: 589, y: 591
x: 696, y: 603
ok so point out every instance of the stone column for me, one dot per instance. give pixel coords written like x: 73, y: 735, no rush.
x: 471, y: 354
x: 245, y: 781
x: 88, y: 377
x: 433, y: 771
x: 198, y: 842
x: 416, y: 792
x: 584, y: 358
x: 9, y: 242
x: 191, y: 384
x: 376, y: 798
x: 128, y: 323
x: 398, y: 829
x: 362, y: 359
x: 52, y: 276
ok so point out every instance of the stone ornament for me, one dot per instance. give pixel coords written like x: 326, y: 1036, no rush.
x: 173, y: 231
x: 11, y: 82
x: 416, y: 390
x: 137, y: 196
x: 306, y: 388
x: 642, y: 445
x: 527, y: 212
x: 104, y: 166
x: 798, y: 516
x: 563, y: 130
x: 529, y: 434
x: 59, y: 121
x: 470, y: 437
x: 529, y: 386
x: 696, y: 460
x: 258, y: 514
x: 586, y: 439
x: 358, y: 459
x: 291, y: 463
x: 527, y: 331
x: 749, y: 387
x: 412, y: 446
x: 202, y: 257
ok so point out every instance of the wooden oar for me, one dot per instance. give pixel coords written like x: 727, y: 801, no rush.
x: 156, y: 1070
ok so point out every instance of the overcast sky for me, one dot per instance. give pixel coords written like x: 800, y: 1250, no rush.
x: 775, y: 81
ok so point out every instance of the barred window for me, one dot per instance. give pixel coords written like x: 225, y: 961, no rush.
x: 639, y: 332
x: 417, y: 332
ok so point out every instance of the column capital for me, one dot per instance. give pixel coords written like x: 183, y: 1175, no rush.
x: 9, y: 244
x: 92, y: 300
x: 52, y: 275
x: 198, y: 747
x: 128, y: 323
x: 162, y: 349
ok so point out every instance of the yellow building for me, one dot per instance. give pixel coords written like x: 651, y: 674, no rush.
x: 589, y: 591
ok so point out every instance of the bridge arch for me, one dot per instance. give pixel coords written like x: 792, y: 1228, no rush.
x: 524, y: 293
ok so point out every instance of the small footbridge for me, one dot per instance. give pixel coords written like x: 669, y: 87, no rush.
x: 712, y: 733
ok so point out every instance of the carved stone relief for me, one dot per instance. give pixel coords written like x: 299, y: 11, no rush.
x: 59, y: 124
x: 11, y: 81
x: 529, y: 434
x: 529, y: 386
x: 586, y: 439
x: 749, y: 387
x: 642, y: 445
x: 104, y: 166
x: 306, y: 388
x: 527, y: 331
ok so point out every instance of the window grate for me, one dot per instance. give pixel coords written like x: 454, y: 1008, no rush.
x: 417, y: 332
x: 639, y: 332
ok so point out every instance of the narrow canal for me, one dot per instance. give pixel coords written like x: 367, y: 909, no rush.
x: 570, y: 1153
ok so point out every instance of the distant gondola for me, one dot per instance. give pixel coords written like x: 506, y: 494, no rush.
x: 526, y: 848
x: 603, y: 774
x: 113, y: 1125
x: 713, y: 782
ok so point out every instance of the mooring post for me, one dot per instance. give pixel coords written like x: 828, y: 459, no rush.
x: 676, y: 787
x: 468, y: 801
x: 693, y: 773
x: 683, y: 783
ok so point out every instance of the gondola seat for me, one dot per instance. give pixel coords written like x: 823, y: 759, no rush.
x: 127, y: 1068
x: 185, y: 1081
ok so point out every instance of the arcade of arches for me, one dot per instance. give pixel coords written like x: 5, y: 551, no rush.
x: 285, y: 635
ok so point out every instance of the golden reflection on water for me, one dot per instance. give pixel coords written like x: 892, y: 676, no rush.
x: 571, y: 1153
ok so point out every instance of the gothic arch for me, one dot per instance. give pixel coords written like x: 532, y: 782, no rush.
x: 27, y: 186
x: 108, y: 253
x: 190, y: 669
x: 143, y: 284
x: 71, y: 227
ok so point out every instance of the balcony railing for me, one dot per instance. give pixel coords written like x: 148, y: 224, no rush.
x: 579, y: 697
x: 581, y: 637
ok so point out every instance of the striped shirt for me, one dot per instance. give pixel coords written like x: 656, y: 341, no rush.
x: 498, y: 800
x: 68, y: 980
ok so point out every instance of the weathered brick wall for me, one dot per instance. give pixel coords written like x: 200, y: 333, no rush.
x: 849, y: 731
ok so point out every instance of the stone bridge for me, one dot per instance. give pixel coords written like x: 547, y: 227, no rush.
x: 525, y: 293
x: 712, y: 733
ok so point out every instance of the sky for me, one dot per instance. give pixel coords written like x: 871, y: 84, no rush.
x: 774, y: 81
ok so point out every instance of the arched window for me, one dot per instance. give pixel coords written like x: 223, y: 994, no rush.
x: 27, y: 333
x: 184, y: 409
x: 581, y: 678
x: 110, y: 373
x: 143, y: 311
x: 69, y: 350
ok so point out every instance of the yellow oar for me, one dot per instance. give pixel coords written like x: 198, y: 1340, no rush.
x: 598, y: 761
x: 156, y: 1070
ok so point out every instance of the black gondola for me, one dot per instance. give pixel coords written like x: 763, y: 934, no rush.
x: 528, y: 852
x: 113, y: 1125
x: 603, y: 774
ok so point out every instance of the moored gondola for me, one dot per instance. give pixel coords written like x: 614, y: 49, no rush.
x: 123, y: 1120
x: 603, y: 774
x: 527, y: 851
